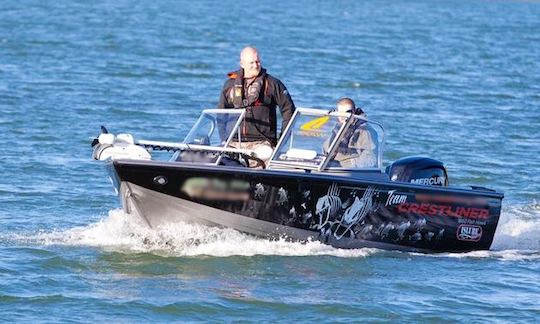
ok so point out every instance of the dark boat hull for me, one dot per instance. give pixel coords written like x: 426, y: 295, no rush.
x: 341, y: 211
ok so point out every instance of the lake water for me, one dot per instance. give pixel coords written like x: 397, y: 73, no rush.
x: 455, y: 80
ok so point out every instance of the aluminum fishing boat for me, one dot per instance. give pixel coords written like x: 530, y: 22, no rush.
x: 323, y: 181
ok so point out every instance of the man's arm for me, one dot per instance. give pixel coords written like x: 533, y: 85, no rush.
x: 285, y: 103
x: 366, y: 149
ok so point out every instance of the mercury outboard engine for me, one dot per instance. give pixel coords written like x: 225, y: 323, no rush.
x: 418, y: 170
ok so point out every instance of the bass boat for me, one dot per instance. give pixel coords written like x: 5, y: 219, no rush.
x: 324, y: 181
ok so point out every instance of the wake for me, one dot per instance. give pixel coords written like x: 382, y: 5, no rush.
x: 122, y: 232
x: 517, y: 238
x: 519, y: 228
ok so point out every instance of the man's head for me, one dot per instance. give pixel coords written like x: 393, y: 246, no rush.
x: 250, y: 62
x: 346, y: 105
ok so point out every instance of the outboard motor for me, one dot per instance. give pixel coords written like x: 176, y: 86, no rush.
x: 418, y: 170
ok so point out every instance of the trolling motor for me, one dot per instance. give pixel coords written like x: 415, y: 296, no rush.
x: 107, y: 146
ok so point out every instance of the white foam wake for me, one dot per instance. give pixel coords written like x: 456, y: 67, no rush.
x: 122, y: 232
x: 517, y: 238
x: 519, y: 228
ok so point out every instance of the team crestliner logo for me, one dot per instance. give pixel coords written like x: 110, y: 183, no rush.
x: 471, y: 233
x: 395, y: 199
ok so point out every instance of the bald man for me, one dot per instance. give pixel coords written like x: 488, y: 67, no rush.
x: 259, y: 93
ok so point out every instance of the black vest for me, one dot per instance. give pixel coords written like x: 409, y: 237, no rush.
x: 257, y: 91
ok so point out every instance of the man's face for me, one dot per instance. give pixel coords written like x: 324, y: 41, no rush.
x: 344, y: 108
x: 251, y: 64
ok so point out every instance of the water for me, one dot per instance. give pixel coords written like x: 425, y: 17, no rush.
x: 458, y: 81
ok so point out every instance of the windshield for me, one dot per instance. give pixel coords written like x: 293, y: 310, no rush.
x: 316, y: 139
x: 215, y: 127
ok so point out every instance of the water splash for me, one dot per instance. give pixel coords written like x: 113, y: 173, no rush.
x: 517, y: 238
x: 122, y: 232
x: 519, y: 228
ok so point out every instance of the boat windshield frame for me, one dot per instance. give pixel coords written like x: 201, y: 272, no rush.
x: 235, y: 130
x: 322, y: 160
x: 222, y: 147
x: 314, y: 123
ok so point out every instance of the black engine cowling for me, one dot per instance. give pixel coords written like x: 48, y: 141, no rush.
x: 418, y: 170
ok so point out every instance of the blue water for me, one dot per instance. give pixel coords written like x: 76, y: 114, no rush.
x: 456, y: 80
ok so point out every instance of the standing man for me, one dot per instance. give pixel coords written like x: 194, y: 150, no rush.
x: 259, y: 93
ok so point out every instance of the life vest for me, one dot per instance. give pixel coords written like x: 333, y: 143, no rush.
x: 254, y: 96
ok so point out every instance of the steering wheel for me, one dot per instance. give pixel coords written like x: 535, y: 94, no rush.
x: 258, y: 162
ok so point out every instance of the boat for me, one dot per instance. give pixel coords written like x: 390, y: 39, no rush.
x: 307, y: 188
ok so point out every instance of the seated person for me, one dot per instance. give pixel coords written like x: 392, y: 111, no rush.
x: 357, y: 148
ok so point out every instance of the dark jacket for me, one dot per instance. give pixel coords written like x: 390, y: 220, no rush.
x: 267, y: 92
